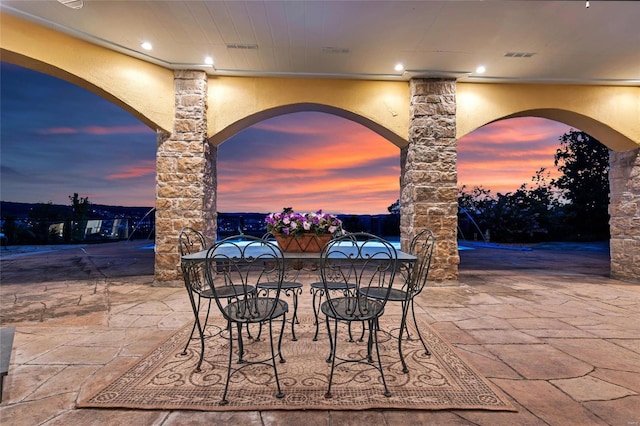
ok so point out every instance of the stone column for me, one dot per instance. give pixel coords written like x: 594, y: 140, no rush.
x: 624, y: 209
x: 428, y: 181
x: 185, y: 175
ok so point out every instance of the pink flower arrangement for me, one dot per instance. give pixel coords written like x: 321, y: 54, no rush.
x: 289, y: 222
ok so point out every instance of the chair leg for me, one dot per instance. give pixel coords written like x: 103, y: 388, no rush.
x: 403, y: 328
x: 196, y: 324
x: 224, y: 400
x: 361, y: 338
x: 424, y: 345
x: 294, y: 317
x: 206, y: 318
x: 284, y: 321
x: 370, y: 341
x: 331, y: 348
x: 196, y: 312
x: 258, y: 337
x: 201, y: 344
x: 316, y: 310
x: 279, y: 394
x: 333, y: 342
x: 374, y: 325
x: 240, y: 343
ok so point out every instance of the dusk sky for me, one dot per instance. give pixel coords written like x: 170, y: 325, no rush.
x: 57, y: 139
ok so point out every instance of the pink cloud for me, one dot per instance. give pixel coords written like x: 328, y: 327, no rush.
x: 58, y: 131
x: 338, y: 165
x: 132, y: 171
x: 97, y: 130
x: 501, y: 156
x: 343, y: 167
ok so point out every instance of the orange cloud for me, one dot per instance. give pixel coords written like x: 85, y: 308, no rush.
x: 308, y: 161
x: 322, y: 161
x: 503, y: 155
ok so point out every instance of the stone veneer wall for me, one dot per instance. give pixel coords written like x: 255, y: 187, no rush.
x: 624, y: 209
x: 185, y: 174
x: 428, y: 180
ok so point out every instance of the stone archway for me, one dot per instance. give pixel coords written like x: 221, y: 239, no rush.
x: 624, y: 185
x: 187, y: 182
x: 161, y: 97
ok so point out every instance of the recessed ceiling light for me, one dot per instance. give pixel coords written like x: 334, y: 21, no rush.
x: 399, y: 67
x: 208, y: 60
x: 146, y: 45
x: 481, y: 69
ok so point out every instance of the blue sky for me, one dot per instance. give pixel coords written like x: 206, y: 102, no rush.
x: 57, y: 139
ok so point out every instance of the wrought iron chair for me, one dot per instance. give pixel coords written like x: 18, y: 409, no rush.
x: 416, y: 277
x: 357, y: 259
x: 242, y: 263
x: 290, y: 288
x: 318, y: 290
x: 192, y: 241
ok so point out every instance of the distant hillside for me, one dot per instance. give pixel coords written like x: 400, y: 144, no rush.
x: 250, y: 223
x: 21, y: 210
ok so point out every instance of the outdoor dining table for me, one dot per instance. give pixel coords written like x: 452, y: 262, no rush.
x: 296, y: 262
x: 404, y: 259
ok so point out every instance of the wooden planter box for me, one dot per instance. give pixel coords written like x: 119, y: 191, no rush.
x: 306, y: 242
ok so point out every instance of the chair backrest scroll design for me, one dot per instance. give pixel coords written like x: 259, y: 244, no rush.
x: 192, y: 241
x: 422, y: 246
x: 233, y: 268
x: 364, y: 261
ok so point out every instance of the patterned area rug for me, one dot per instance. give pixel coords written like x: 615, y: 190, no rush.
x: 166, y: 380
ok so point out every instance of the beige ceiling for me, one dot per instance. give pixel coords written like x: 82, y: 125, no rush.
x: 517, y: 41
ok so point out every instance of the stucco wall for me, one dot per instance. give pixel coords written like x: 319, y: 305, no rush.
x: 143, y: 89
x: 609, y: 114
x: 380, y: 106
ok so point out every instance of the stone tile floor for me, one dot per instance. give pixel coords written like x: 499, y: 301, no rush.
x: 547, y: 327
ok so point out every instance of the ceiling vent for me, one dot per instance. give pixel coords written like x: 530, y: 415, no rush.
x: 243, y: 46
x: 519, y: 54
x: 329, y: 49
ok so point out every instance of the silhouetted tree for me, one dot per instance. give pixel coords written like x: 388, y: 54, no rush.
x: 526, y: 215
x: 394, y: 208
x: 473, y: 212
x: 80, y: 209
x: 584, y: 163
x: 80, y: 206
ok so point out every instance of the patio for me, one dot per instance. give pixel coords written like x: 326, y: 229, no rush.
x: 546, y: 326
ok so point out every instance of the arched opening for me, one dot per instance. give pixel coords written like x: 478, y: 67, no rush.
x: 309, y: 160
x: 269, y: 113
x: 608, y: 136
x: 60, y: 139
x: 514, y: 198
